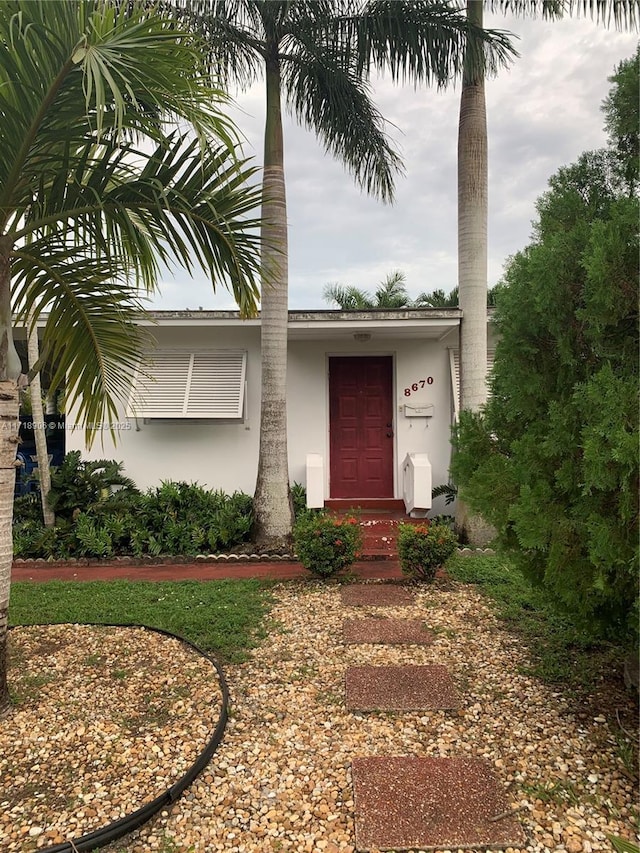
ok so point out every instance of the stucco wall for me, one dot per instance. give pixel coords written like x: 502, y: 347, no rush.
x: 225, y: 456
x: 215, y: 455
x: 413, y: 361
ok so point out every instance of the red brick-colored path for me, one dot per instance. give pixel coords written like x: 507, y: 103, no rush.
x: 203, y: 571
x: 386, y: 631
x: 376, y: 595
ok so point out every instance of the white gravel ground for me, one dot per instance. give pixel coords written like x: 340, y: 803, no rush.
x: 281, y: 778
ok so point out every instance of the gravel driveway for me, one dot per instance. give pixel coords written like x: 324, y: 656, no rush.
x: 281, y: 779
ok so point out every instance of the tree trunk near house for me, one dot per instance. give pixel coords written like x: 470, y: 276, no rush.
x: 38, y: 418
x: 472, y: 230
x: 272, y: 501
x: 9, y: 425
x: 472, y: 249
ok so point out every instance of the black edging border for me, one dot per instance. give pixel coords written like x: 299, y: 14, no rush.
x: 125, y: 825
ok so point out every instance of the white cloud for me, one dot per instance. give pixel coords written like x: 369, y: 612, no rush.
x: 542, y: 113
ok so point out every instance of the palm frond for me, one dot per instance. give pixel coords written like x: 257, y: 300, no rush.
x: 623, y: 14
x: 437, y: 299
x: 234, y: 34
x: 417, y: 40
x: 334, y: 101
x: 392, y: 292
x: 97, y: 189
x: 78, y: 67
x: 348, y: 298
x: 91, y: 334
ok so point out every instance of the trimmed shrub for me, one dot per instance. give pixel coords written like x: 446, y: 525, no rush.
x: 326, y: 544
x: 423, y: 548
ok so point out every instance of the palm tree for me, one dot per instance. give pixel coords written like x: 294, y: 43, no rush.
x: 473, y: 180
x: 99, y: 184
x: 473, y: 187
x: 316, y: 54
x: 472, y: 226
x: 39, y: 428
x: 391, y: 293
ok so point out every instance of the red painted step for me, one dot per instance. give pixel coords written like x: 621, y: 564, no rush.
x: 379, y: 529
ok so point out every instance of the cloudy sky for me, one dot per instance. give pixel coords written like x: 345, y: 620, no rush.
x: 542, y: 113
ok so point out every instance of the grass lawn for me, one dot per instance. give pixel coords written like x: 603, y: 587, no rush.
x: 562, y: 650
x: 226, y: 618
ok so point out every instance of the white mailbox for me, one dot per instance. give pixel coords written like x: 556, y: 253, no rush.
x: 425, y: 411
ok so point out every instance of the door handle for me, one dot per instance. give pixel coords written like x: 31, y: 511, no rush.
x: 389, y: 426
x: 389, y: 435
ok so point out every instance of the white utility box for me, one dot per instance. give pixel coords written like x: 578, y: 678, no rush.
x: 416, y: 484
x: 315, y: 481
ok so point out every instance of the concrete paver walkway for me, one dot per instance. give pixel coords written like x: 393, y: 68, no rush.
x: 386, y: 631
x: 430, y: 803
x: 400, y: 688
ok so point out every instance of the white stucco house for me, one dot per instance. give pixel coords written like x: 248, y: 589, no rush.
x: 366, y: 390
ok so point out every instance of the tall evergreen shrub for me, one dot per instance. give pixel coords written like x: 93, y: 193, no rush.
x: 552, y: 461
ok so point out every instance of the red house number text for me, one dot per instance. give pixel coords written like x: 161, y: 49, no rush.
x: 416, y: 386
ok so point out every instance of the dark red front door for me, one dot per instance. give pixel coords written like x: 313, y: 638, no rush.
x: 361, y: 427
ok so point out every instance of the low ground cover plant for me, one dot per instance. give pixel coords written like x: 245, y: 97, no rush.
x: 423, y: 548
x: 101, y: 514
x: 325, y: 544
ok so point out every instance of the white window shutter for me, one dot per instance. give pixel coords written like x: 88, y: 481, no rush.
x: 454, y: 366
x: 176, y: 384
x: 217, y: 385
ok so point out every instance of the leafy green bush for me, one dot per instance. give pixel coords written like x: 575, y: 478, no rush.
x: 27, y: 507
x: 552, y: 461
x: 326, y: 544
x: 179, y: 519
x: 78, y: 485
x: 422, y: 548
x: 299, y: 499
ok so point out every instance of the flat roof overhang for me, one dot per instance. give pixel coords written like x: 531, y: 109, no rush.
x: 329, y: 325
x: 423, y: 323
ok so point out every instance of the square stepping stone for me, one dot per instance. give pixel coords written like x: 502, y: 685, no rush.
x: 388, y: 631
x: 375, y: 595
x: 400, y: 688
x: 430, y: 803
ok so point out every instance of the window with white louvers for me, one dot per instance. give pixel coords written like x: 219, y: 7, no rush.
x: 181, y: 384
x: 454, y: 365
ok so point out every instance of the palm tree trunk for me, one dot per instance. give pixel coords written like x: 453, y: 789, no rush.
x: 39, y: 431
x: 272, y: 502
x: 472, y: 229
x: 472, y: 254
x: 9, y: 425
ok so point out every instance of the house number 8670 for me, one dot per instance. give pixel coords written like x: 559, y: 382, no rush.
x: 416, y: 386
